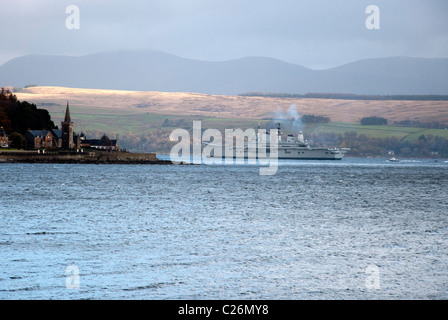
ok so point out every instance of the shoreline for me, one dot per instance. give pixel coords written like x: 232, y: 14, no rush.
x: 90, y: 157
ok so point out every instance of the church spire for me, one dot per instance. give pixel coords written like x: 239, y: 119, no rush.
x: 67, y: 118
x: 67, y: 131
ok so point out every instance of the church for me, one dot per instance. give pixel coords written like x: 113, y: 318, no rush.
x: 65, y: 138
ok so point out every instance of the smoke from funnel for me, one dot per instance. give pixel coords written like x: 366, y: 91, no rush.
x: 289, y: 120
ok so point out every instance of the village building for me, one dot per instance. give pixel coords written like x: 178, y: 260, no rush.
x: 65, y: 138
x: 102, y: 144
x: 37, y: 139
x: 4, y: 140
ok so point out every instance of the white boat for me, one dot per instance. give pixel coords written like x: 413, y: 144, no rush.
x: 393, y: 159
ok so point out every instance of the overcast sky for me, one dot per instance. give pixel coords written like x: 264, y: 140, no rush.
x: 313, y: 33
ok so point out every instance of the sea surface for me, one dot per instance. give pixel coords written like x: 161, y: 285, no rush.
x: 350, y: 229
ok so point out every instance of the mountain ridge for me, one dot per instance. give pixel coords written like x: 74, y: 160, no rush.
x: 159, y: 71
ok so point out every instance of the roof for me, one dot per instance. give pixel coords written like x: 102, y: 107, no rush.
x: 101, y: 142
x: 54, y: 132
x: 38, y: 132
x: 57, y: 133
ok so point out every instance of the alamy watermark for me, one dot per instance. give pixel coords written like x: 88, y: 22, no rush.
x: 72, y: 279
x: 239, y: 146
x: 73, y: 21
x: 373, y: 277
x: 373, y: 20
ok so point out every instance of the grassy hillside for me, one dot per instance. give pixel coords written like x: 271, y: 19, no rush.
x: 386, y: 131
x: 116, y: 102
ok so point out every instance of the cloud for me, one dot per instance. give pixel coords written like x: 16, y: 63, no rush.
x: 318, y: 33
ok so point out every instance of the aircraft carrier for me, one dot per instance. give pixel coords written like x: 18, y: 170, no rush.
x: 292, y: 147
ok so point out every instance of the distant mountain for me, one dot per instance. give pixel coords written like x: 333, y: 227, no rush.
x: 158, y: 71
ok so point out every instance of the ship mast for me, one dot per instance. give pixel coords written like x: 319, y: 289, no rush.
x: 279, y: 132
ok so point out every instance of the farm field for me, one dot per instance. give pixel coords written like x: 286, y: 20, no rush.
x: 383, y: 131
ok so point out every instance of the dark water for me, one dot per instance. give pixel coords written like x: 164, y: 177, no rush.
x: 315, y: 230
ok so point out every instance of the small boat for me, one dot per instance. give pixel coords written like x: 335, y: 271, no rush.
x: 393, y: 159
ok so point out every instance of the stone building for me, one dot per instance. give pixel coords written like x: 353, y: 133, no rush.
x: 54, y: 138
x: 36, y: 139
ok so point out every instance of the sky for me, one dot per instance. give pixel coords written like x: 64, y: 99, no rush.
x: 317, y: 34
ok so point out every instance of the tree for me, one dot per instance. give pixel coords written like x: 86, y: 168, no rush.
x: 16, y: 140
x: 4, y: 119
x: 311, y: 118
x: 373, y: 121
x: 19, y: 116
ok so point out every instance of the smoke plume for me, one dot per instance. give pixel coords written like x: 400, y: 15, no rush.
x: 289, y: 120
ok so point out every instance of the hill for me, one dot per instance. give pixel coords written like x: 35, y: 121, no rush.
x: 127, y: 103
x: 158, y: 71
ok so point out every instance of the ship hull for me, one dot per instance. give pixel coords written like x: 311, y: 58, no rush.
x: 311, y: 154
x: 292, y: 153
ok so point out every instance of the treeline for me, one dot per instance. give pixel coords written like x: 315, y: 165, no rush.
x: 369, y: 121
x: 418, y: 124
x: 181, y: 123
x: 405, y: 123
x: 311, y: 118
x: 17, y: 117
x: 19, y: 89
x: 347, y: 96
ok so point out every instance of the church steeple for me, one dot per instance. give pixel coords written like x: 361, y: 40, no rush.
x: 67, y: 130
x: 67, y: 118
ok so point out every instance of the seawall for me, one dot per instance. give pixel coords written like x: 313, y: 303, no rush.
x: 93, y: 157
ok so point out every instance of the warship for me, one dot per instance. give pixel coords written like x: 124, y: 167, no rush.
x: 292, y: 148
